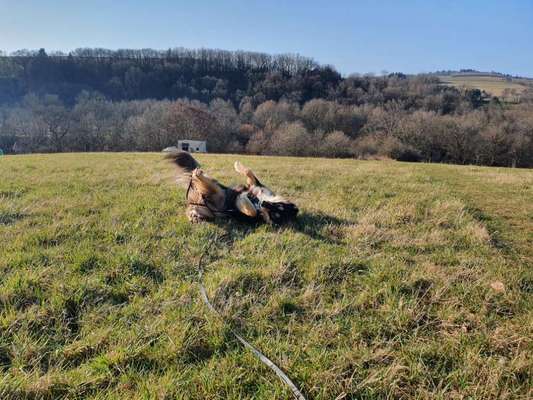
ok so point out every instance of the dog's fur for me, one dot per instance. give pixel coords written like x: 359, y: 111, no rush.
x: 208, y: 199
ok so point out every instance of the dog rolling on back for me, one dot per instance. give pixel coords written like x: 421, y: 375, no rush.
x: 208, y: 199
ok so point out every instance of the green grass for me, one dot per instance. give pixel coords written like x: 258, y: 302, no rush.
x: 493, y: 85
x: 388, y: 286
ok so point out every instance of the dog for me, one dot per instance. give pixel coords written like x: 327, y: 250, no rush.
x: 207, y: 199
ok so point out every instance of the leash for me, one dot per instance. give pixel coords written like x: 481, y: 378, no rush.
x: 264, y: 359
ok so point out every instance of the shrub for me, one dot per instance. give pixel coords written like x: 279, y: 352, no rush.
x: 336, y: 144
x: 292, y: 139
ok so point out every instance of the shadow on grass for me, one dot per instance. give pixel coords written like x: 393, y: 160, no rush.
x: 494, y: 227
x: 318, y: 226
x: 10, y: 218
x: 235, y: 230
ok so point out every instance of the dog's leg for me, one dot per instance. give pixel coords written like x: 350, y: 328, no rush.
x: 251, y: 179
x: 197, y: 214
x: 245, y: 206
x: 209, y: 188
x: 255, y: 187
x: 206, y: 184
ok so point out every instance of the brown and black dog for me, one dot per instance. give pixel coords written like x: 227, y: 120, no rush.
x: 208, y: 199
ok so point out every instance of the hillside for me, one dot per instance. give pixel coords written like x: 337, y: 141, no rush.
x: 136, y: 74
x: 399, y: 280
x: 93, y: 100
x: 495, y: 85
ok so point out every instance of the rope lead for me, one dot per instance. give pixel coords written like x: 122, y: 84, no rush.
x: 264, y: 359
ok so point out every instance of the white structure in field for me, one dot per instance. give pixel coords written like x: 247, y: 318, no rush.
x: 193, y: 146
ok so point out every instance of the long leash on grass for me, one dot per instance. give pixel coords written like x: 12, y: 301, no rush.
x: 264, y: 359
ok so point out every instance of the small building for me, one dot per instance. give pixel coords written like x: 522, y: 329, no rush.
x: 193, y: 146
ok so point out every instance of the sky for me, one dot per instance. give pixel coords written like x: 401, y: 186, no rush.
x: 409, y: 36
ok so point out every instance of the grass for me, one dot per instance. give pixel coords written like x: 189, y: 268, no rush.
x: 398, y: 281
x: 493, y: 85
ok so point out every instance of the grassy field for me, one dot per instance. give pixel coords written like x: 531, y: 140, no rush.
x: 493, y: 85
x: 398, y: 281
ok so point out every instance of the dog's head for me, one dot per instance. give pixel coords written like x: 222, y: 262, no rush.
x: 278, y: 213
x: 270, y: 208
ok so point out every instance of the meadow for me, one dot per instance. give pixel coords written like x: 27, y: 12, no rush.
x: 494, y: 85
x: 398, y: 280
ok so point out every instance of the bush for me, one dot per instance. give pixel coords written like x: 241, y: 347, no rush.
x: 366, y: 147
x: 336, y: 144
x: 292, y: 139
x: 258, y: 143
x: 403, y: 152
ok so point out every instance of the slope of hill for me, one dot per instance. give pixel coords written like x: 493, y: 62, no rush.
x: 398, y: 280
x: 199, y: 74
x: 495, y: 85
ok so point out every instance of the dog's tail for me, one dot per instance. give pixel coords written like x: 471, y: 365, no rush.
x: 185, y: 164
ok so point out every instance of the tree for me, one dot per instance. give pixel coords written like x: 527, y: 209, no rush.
x: 90, y: 116
x: 336, y: 144
x: 258, y: 143
x: 51, y: 112
x: 292, y: 139
x: 273, y: 114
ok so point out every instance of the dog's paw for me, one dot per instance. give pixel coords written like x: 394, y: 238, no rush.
x: 197, y: 172
x: 241, y: 169
x: 194, y: 216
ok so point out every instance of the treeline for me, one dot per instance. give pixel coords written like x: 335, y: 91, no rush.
x: 202, y: 75
x: 145, y: 100
x: 205, y: 75
x: 489, y: 135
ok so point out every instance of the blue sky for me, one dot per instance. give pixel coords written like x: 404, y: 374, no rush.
x: 354, y: 36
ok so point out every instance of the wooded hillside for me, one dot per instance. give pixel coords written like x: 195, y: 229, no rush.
x: 124, y: 100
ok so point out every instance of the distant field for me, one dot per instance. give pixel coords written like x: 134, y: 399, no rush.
x: 398, y: 281
x: 491, y: 84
